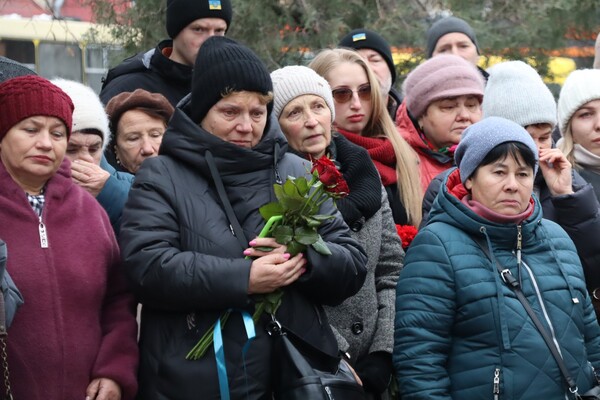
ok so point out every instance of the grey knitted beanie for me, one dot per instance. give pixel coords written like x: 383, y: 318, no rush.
x: 296, y: 80
x: 481, y: 138
x: 448, y: 25
x: 516, y: 92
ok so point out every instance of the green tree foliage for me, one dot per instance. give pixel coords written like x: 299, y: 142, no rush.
x: 287, y: 32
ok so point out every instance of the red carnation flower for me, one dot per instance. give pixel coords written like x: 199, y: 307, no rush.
x: 407, y: 233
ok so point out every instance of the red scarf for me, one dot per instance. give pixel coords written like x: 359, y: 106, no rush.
x: 382, y: 153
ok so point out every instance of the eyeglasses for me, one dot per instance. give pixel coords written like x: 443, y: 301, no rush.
x: 344, y: 95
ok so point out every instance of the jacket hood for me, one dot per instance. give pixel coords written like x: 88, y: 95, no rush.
x: 449, y: 209
x: 186, y: 141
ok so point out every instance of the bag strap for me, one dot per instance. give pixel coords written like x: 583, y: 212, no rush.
x: 4, y: 334
x: 236, y: 228
x: 514, y: 285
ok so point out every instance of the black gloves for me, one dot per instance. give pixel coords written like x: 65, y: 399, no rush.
x: 375, y: 370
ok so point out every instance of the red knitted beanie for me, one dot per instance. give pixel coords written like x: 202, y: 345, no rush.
x: 30, y: 95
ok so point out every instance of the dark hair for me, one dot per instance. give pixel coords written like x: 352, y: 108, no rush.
x: 513, y: 149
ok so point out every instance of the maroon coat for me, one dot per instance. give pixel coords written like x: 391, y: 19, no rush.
x: 78, y: 320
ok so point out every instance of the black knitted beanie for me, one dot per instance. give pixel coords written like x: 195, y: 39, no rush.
x: 224, y: 66
x: 180, y: 13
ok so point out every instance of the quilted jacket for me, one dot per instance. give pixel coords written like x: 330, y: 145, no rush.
x: 458, y: 326
x: 187, y: 267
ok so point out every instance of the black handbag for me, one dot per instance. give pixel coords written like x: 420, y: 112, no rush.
x: 303, y: 372
x: 514, y: 285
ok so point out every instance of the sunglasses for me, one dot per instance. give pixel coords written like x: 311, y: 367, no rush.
x: 344, y: 95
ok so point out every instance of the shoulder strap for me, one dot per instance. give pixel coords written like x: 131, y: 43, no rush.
x: 233, y: 221
x: 513, y: 284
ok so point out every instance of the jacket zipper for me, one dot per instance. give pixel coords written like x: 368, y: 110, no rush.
x: 496, y: 390
x: 43, y: 235
x: 544, y: 311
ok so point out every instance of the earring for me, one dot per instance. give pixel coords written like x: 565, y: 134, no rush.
x: 116, y: 155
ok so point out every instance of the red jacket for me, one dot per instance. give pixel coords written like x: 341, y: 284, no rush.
x: 78, y: 320
x: 430, y: 163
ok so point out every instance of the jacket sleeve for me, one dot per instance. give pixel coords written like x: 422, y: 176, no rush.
x: 330, y: 279
x: 431, y: 193
x: 425, y: 307
x: 387, y: 271
x: 114, y: 194
x: 163, y: 275
x: 117, y: 357
x: 579, y: 215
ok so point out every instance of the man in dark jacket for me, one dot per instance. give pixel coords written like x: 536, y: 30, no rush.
x: 378, y: 53
x: 167, y: 69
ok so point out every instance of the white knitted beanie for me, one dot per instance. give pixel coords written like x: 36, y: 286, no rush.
x: 515, y: 91
x: 581, y: 86
x: 89, y: 112
x: 296, y: 80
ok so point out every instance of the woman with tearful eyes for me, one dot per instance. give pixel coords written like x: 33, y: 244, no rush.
x: 442, y: 97
x: 75, y: 335
x: 579, y: 118
x: 138, y: 121
x: 190, y: 247
x: 361, y: 116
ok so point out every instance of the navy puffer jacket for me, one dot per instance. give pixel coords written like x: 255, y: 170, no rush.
x: 458, y: 325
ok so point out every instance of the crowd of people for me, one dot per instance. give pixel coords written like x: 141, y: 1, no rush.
x: 133, y: 222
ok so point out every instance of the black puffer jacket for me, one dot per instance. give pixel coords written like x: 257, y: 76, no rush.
x: 187, y: 267
x: 152, y: 71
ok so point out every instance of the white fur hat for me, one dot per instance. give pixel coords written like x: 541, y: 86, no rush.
x: 297, y: 80
x: 515, y: 91
x: 89, y: 112
x: 581, y: 86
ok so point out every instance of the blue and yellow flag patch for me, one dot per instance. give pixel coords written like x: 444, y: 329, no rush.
x: 214, y: 5
x: 359, y: 36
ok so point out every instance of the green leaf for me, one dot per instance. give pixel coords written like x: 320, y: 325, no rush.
x: 302, y: 185
x: 290, y: 189
x: 292, y: 203
x: 321, y: 217
x: 294, y: 248
x: 283, y: 234
x: 278, y: 189
x: 311, y: 222
x: 306, y: 235
x: 321, y: 247
x: 270, y: 210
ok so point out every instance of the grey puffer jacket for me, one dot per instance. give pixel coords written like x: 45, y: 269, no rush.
x: 187, y: 267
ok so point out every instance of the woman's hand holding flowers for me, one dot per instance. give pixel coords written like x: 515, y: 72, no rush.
x: 275, y: 270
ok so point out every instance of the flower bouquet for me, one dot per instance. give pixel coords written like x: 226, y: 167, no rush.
x: 292, y: 220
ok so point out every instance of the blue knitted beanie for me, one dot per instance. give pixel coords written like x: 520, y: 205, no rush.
x: 481, y: 138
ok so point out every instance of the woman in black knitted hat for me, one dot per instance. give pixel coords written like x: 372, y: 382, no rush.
x: 188, y: 240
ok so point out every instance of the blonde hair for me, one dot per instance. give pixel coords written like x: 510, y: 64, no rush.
x: 567, y: 145
x: 380, y: 124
